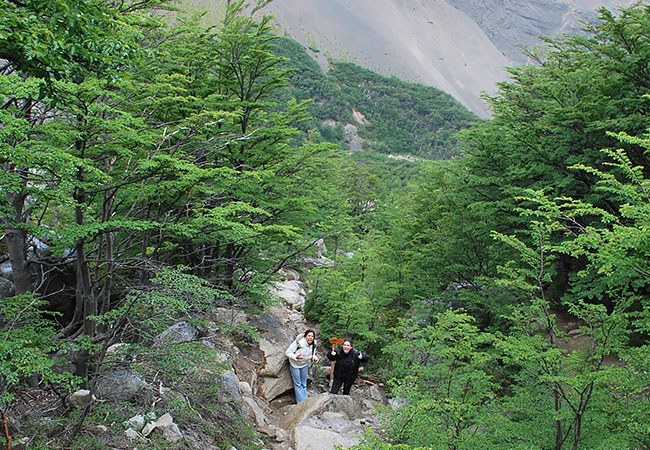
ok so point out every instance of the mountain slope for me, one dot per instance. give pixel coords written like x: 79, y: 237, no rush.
x: 428, y: 42
x: 459, y: 46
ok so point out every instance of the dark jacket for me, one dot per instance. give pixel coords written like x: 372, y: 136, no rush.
x: 347, y: 366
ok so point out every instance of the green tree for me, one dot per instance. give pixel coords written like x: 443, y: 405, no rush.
x: 555, y: 114
x: 442, y: 384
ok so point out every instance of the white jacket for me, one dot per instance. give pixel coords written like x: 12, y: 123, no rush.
x: 300, y: 347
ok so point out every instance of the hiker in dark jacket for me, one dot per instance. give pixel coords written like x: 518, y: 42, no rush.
x: 346, y: 368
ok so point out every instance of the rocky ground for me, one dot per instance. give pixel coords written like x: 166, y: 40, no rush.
x: 202, y: 384
x: 323, y: 420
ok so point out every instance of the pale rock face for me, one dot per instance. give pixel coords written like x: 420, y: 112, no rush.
x: 308, y: 438
x: 458, y: 46
x: 270, y: 388
x: 276, y: 360
x: 424, y: 41
x: 290, y: 291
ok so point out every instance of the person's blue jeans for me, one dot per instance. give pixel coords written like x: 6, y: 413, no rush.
x: 299, y: 382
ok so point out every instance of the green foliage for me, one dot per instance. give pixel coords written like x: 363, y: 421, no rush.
x: 403, y: 117
x: 571, y: 226
x: 400, y: 117
x: 442, y: 383
x: 66, y: 40
x: 27, y: 342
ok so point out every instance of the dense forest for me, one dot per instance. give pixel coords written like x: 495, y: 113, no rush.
x: 155, y: 169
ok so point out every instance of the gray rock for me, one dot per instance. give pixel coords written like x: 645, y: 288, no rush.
x: 308, y: 438
x: 375, y: 393
x: 134, y: 435
x: 228, y: 385
x: 80, y: 398
x: 271, y: 388
x: 6, y: 288
x: 312, y: 262
x: 120, y: 347
x: 121, y: 385
x: 137, y: 422
x: 270, y: 327
x: 291, y: 292
x: 178, y: 333
x: 289, y: 274
x: 275, y: 359
x: 6, y: 270
x: 21, y: 443
x: 245, y: 389
x: 255, y: 412
x: 148, y: 428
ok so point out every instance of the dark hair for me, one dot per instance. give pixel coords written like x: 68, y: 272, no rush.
x: 314, y: 341
x: 348, y: 340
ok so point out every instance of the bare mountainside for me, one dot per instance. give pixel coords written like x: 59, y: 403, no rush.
x: 458, y: 46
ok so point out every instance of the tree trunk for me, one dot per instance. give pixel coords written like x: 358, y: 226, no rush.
x: 17, y: 244
x: 229, y: 265
x: 18, y: 253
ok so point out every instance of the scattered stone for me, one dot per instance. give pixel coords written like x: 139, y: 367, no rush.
x: 245, y: 389
x: 228, y: 384
x: 170, y: 430
x: 80, y: 398
x: 148, y: 428
x: 117, y: 348
x: 102, y: 428
x: 136, y: 422
x: 21, y: 443
x: 134, y: 435
x: 221, y: 357
x: 256, y: 412
x: 308, y: 438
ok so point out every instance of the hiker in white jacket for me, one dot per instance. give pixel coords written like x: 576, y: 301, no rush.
x: 301, y: 353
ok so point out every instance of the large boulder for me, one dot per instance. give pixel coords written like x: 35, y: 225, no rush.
x: 275, y: 360
x: 274, y: 376
x: 122, y: 385
x: 316, y: 421
x: 272, y: 388
x: 178, y: 333
x: 6, y: 269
